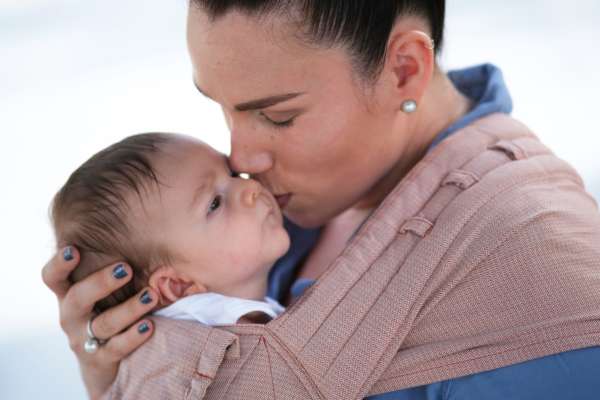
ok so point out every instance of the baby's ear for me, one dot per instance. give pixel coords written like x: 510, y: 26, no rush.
x: 172, y: 285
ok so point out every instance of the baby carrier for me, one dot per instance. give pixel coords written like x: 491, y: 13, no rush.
x: 485, y: 255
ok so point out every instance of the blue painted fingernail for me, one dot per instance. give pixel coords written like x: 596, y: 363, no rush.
x: 145, y: 298
x: 68, y: 253
x: 119, y: 272
x: 143, y: 327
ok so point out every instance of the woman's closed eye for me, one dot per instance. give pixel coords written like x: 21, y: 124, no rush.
x: 278, y: 123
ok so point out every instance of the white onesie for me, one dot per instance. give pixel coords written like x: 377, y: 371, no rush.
x: 215, y: 309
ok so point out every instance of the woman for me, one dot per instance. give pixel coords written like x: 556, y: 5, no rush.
x: 330, y: 111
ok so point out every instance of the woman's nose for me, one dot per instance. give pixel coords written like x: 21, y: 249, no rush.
x: 248, y: 154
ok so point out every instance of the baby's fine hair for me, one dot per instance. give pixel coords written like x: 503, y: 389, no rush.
x: 92, y: 212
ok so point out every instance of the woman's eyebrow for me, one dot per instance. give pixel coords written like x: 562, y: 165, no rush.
x: 258, y: 103
x: 265, y: 102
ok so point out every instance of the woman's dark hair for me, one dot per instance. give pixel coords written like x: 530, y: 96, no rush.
x: 92, y: 211
x: 363, y: 26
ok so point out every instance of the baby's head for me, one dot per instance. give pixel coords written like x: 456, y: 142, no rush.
x: 170, y: 207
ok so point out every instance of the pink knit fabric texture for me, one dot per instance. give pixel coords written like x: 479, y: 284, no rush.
x: 485, y: 255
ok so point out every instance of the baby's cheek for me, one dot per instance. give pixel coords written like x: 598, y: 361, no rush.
x: 239, y: 253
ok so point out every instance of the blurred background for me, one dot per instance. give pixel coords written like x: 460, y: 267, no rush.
x: 76, y: 76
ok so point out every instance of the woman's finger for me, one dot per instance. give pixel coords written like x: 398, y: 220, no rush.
x: 115, y: 320
x: 55, y: 273
x: 119, y: 346
x: 81, y: 297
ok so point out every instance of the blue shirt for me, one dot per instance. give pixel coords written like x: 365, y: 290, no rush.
x: 569, y: 375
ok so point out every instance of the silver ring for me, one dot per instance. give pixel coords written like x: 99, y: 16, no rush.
x: 92, y: 343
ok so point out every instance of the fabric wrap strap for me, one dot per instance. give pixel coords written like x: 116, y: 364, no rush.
x: 211, y: 356
x: 179, y: 361
x: 460, y: 178
x: 417, y: 225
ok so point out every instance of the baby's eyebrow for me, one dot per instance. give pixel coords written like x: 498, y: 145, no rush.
x: 201, y: 190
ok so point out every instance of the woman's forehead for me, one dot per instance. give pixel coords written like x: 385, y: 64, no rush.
x: 250, y: 31
x: 237, y: 58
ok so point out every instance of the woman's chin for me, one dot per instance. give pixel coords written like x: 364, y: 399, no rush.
x: 306, y: 218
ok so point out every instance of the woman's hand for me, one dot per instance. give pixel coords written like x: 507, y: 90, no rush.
x: 117, y: 325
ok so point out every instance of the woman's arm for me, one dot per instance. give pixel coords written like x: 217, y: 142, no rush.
x: 119, y: 325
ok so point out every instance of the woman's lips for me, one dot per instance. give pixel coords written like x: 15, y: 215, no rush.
x: 283, y: 200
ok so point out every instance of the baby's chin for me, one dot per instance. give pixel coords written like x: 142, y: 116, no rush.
x: 287, y: 245
x: 283, y: 246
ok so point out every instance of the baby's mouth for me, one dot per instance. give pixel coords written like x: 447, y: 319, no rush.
x: 273, y: 206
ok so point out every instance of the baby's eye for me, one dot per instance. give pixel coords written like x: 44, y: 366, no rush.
x: 215, y: 204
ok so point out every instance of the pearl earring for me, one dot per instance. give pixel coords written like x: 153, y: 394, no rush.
x: 409, y: 106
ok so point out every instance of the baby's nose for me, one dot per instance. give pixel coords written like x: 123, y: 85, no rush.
x: 249, y: 195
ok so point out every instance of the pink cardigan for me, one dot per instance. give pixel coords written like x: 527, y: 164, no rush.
x: 485, y: 255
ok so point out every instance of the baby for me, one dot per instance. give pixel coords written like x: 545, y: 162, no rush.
x: 203, y: 238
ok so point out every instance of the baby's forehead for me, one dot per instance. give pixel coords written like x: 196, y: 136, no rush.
x: 190, y: 163
x: 194, y: 146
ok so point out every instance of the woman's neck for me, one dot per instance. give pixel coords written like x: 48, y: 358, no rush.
x: 440, y: 107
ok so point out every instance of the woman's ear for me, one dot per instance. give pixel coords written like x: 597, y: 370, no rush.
x: 172, y: 285
x: 409, y: 64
